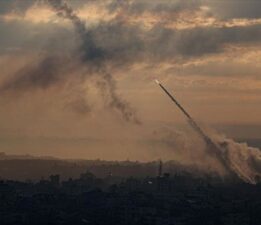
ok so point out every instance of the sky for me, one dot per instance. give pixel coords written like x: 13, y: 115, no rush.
x: 77, y: 77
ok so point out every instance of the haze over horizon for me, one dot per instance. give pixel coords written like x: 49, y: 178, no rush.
x: 68, y: 94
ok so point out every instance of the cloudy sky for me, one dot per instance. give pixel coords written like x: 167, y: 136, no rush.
x: 77, y: 77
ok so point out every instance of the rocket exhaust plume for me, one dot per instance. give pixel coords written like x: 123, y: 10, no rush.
x: 220, y: 150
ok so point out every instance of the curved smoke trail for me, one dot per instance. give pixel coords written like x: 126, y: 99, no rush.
x: 94, y: 57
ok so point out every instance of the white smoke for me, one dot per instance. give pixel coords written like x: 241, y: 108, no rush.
x: 225, y: 157
x: 245, y: 161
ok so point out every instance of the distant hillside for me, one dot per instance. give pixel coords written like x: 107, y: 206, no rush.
x: 26, y: 167
x: 4, y: 156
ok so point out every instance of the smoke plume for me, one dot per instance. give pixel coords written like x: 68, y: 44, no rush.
x: 237, y: 159
x: 94, y: 58
x: 228, y: 159
x: 245, y: 161
x: 49, y: 70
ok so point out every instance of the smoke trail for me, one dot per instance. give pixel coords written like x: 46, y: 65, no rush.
x: 237, y: 159
x: 108, y: 85
x: 94, y: 57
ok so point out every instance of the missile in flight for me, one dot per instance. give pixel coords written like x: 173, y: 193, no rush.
x: 212, y: 147
x: 190, y: 119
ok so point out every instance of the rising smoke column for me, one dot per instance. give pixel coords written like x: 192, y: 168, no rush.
x: 244, y: 160
x: 94, y: 58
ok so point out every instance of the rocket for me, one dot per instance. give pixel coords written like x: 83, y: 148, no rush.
x: 190, y: 119
x: 216, y: 149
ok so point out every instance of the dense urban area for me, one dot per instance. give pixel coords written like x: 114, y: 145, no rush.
x: 51, y: 191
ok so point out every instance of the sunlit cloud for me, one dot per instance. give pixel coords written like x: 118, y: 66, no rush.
x: 94, y: 13
x: 37, y: 13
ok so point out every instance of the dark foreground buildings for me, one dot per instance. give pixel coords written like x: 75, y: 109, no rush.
x: 161, y: 200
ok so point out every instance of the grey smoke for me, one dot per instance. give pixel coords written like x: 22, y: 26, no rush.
x: 238, y: 159
x: 235, y: 8
x: 241, y: 161
x: 244, y: 160
x: 40, y: 74
x: 94, y: 57
x: 50, y: 70
x: 108, y: 85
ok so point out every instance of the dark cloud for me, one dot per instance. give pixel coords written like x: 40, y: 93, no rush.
x: 220, y: 8
x: 237, y: 35
x: 120, y: 44
x: 19, y: 6
x: 228, y: 68
x: 163, y: 43
x: 124, y: 44
x: 156, y: 6
x: 195, y: 42
x: 41, y: 74
x: 29, y: 37
x: 168, y: 43
x: 235, y: 8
